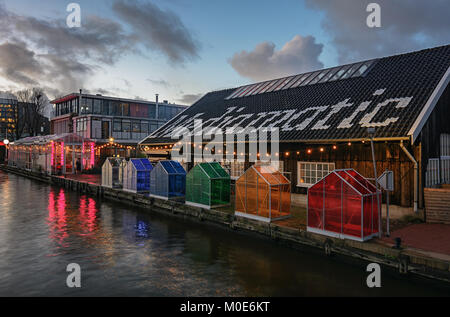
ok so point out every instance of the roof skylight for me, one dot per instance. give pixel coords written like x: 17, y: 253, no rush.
x: 318, y: 77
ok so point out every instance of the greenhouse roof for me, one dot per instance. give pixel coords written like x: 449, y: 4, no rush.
x: 355, y: 180
x: 172, y: 167
x: 142, y: 164
x: 213, y: 170
x: 271, y: 175
x: 67, y: 138
x: 115, y: 161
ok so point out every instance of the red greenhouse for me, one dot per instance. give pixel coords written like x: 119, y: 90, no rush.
x: 344, y: 204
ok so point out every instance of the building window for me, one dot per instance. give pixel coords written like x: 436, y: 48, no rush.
x: 126, y: 126
x: 136, y: 126
x: 309, y: 173
x: 144, y: 127
x: 117, y: 126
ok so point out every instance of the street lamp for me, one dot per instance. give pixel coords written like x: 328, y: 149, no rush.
x: 6, y: 142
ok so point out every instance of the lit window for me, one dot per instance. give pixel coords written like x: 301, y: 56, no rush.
x: 309, y: 173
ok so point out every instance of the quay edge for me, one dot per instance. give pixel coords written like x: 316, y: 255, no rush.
x: 404, y: 260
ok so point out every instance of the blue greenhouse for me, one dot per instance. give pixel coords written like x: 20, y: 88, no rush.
x: 136, y: 175
x: 168, y: 180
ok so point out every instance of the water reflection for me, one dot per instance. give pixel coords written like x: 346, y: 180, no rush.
x: 57, y: 220
x: 124, y: 251
x: 88, y: 215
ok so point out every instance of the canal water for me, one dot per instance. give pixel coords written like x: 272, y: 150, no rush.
x: 126, y: 251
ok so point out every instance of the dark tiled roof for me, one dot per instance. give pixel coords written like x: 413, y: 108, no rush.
x: 397, y: 87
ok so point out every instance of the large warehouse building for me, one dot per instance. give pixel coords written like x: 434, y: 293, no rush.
x: 323, y: 119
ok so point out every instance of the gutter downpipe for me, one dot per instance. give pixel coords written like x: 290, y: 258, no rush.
x: 416, y: 178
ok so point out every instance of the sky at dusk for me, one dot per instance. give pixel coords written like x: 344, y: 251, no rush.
x: 182, y: 49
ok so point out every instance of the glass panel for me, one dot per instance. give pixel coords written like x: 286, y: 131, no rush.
x: 340, y: 72
x: 285, y: 83
x: 236, y: 92
x: 351, y: 70
x: 362, y: 69
x: 310, y: 78
x: 264, y: 85
x: 270, y: 85
x: 293, y: 81
x: 319, y: 77
x: 329, y: 75
x: 275, y: 85
x: 250, y: 91
x: 244, y: 91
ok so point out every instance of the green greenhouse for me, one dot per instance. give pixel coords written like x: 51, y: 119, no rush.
x: 207, y: 186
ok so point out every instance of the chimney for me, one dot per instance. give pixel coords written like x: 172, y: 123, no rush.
x: 157, y: 104
x: 79, y: 102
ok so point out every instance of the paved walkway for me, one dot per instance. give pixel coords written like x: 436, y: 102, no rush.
x: 424, y: 236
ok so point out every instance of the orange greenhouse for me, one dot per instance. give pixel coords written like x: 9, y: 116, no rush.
x: 263, y: 193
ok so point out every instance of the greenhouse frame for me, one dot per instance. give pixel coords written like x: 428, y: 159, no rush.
x: 136, y: 175
x: 345, y: 205
x: 263, y: 193
x: 112, y: 172
x: 52, y: 154
x: 168, y: 180
x: 208, y: 186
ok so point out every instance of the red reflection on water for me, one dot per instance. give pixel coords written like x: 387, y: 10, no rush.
x: 88, y: 214
x: 57, y: 219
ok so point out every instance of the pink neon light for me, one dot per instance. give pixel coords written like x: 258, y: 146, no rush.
x: 92, y: 160
x: 52, y: 156
x: 62, y: 154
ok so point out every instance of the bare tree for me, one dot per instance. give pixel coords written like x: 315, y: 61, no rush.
x: 32, y: 105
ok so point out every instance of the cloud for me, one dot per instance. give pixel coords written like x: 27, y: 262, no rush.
x: 405, y: 26
x: 189, y: 99
x: 100, y: 39
x: 301, y: 54
x: 19, y: 64
x: 159, y: 29
x: 159, y: 82
x: 59, y: 59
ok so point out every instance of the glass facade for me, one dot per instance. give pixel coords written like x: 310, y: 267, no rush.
x: 93, y: 105
x: 101, y: 118
x: 8, y: 115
